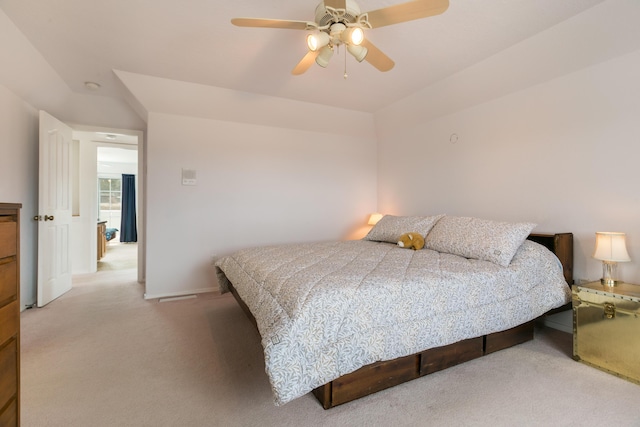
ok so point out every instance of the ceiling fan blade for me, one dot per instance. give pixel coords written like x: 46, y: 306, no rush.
x: 336, y: 4
x: 406, y: 12
x: 274, y: 23
x: 306, y: 62
x: 376, y: 57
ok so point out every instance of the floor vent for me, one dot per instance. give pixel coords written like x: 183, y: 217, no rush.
x: 177, y: 298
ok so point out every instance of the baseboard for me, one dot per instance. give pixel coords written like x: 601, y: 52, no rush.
x: 563, y: 321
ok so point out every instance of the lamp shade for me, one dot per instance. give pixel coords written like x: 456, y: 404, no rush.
x: 317, y: 41
x: 324, y: 56
x: 358, y: 52
x: 374, y: 218
x: 611, y: 247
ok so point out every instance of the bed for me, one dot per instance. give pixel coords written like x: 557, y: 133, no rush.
x: 348, y: 318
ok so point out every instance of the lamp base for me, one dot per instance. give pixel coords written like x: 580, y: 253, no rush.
x: 609, y: 273
x: 610, y: 282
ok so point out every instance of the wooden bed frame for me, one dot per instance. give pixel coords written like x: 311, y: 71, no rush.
x: 381, y: 375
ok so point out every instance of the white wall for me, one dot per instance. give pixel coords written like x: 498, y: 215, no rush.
x: 83, y: 231
x: 19, y: 180
x: 269, y: 170
x: 562, y: 152
x: 256, y: 185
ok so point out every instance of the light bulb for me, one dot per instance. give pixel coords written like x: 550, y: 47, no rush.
x: 317, y: 41
x: 352, y: 36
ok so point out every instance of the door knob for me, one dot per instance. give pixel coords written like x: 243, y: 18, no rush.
x: 48, y: 217
x: 37, y: 218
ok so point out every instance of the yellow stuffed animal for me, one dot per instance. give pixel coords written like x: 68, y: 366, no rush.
x: 413, y: 241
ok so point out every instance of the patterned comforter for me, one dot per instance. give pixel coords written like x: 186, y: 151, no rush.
x: 326, y: 309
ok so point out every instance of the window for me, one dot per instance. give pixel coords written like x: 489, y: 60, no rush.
x: 110, y: 201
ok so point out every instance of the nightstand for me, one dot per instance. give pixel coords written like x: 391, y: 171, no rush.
x: 606, y: 328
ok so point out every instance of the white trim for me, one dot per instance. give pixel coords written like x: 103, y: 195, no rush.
x: 562, y: 321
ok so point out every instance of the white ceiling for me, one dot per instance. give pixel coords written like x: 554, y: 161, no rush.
x: 194, y: 41
x: 117, y: 155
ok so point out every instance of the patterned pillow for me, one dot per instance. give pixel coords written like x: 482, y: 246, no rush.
x: 481, y: 239
x: 390, y: 227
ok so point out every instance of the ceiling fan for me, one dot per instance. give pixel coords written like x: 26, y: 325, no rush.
x: 340, y: 22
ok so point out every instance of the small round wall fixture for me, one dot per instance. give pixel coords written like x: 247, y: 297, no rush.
x: 453, y: 138
x: 92, y: 85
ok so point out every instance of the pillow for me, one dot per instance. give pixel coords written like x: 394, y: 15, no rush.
x: 476, y: 238
x: 390, y: 227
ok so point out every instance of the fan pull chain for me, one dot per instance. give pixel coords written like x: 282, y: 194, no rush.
x: 345, y: 64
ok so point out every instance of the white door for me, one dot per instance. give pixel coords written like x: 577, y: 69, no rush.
x: 54, y: 209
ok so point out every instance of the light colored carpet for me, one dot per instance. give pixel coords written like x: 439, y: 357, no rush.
x: 119, y: 256
x: 103, y: 356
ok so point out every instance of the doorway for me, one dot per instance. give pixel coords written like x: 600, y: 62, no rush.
x: 102, y: 156
x: 113, y: 162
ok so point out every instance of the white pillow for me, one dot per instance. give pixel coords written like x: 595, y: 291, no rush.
x: 476, y: 238
x: 390, y: 227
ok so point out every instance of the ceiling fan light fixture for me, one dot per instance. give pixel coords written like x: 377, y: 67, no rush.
x: 341, y: 22
x: 352, y: 36
x: 317, y: 41
x: 358, y: 52
x: 324, y: 56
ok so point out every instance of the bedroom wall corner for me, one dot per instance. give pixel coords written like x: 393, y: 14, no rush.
x: 561, y: 154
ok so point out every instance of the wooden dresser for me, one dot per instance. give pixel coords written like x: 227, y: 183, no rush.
x: 9, y: 314
x: 102, y: 239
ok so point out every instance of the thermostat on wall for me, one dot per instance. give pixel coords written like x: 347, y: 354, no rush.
x: 188, y: 177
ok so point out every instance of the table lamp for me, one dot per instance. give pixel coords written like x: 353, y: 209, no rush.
x: 374, y: 218
x: 610, y: 249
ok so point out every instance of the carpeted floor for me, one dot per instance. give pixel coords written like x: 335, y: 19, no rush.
x: 101, y: 355
x: 119, y: 256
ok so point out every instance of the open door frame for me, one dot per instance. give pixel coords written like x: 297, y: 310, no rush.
x: 55, y: 204
x: 83, y: 134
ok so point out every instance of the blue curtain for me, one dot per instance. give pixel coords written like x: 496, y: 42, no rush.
x: 128, y: 228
